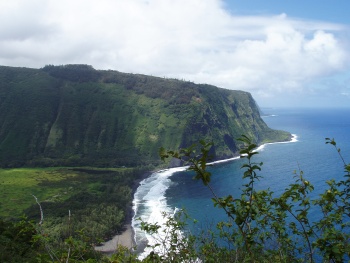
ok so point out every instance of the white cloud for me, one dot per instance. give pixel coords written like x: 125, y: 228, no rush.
x: 191, y: 39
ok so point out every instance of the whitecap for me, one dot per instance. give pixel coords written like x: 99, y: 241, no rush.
x: 150, y: 204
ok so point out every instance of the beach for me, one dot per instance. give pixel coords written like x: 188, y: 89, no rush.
x: 126, y: 239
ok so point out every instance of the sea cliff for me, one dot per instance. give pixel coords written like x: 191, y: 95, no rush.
x: 74, y: 115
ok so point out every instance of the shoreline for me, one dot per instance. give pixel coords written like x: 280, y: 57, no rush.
x: 127, y: 237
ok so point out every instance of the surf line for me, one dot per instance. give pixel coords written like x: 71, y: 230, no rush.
x: 150, y: 204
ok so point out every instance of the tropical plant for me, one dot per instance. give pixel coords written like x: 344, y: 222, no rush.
x: 261, y: 227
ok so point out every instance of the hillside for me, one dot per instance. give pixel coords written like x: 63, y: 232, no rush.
x: 74, y: 115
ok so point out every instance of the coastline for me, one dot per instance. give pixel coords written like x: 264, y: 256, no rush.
x: 127, y: 237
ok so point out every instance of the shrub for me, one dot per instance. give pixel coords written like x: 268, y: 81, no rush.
x: 261, y: 227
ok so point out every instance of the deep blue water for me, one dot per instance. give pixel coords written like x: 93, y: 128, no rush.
x: 318, y: 161
x: 167, y: 190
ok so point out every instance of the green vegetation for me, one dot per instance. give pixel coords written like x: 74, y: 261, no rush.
x: 18, y: 185
x: 74, y: 115
x: 260, y: 227
x: 97, y: 200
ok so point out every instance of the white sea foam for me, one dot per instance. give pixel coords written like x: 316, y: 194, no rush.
x: 293, y: 139
x: 270, y: 115
x: 150, y: 203
x: 225, y: 160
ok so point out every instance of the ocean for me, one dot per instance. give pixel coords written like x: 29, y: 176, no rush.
x: 168, y: 190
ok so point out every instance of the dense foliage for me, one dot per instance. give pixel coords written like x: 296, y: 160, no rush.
x: 74, y: 115
x: 73, y: 72
x: 99, y: 203
x: 260, y: 227
x: 17, y: 241
x: 81, y: 206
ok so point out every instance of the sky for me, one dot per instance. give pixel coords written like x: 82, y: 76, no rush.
x: 286, y: 53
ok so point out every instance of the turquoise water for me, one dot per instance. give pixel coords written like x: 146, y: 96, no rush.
x: 318, y: 161
x: 171, y: 189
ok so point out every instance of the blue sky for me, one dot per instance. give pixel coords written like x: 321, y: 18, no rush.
x: 286, y: 53
x: 336, y: 11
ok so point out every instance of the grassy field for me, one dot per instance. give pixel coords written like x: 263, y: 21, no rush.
x: 17, y: 186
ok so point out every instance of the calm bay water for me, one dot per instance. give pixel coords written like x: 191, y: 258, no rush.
x: 171, y: 189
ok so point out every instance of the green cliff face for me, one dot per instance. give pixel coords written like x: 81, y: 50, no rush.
x: 74, y: 115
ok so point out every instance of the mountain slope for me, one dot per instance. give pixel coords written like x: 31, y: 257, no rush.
x: 76, y: 115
